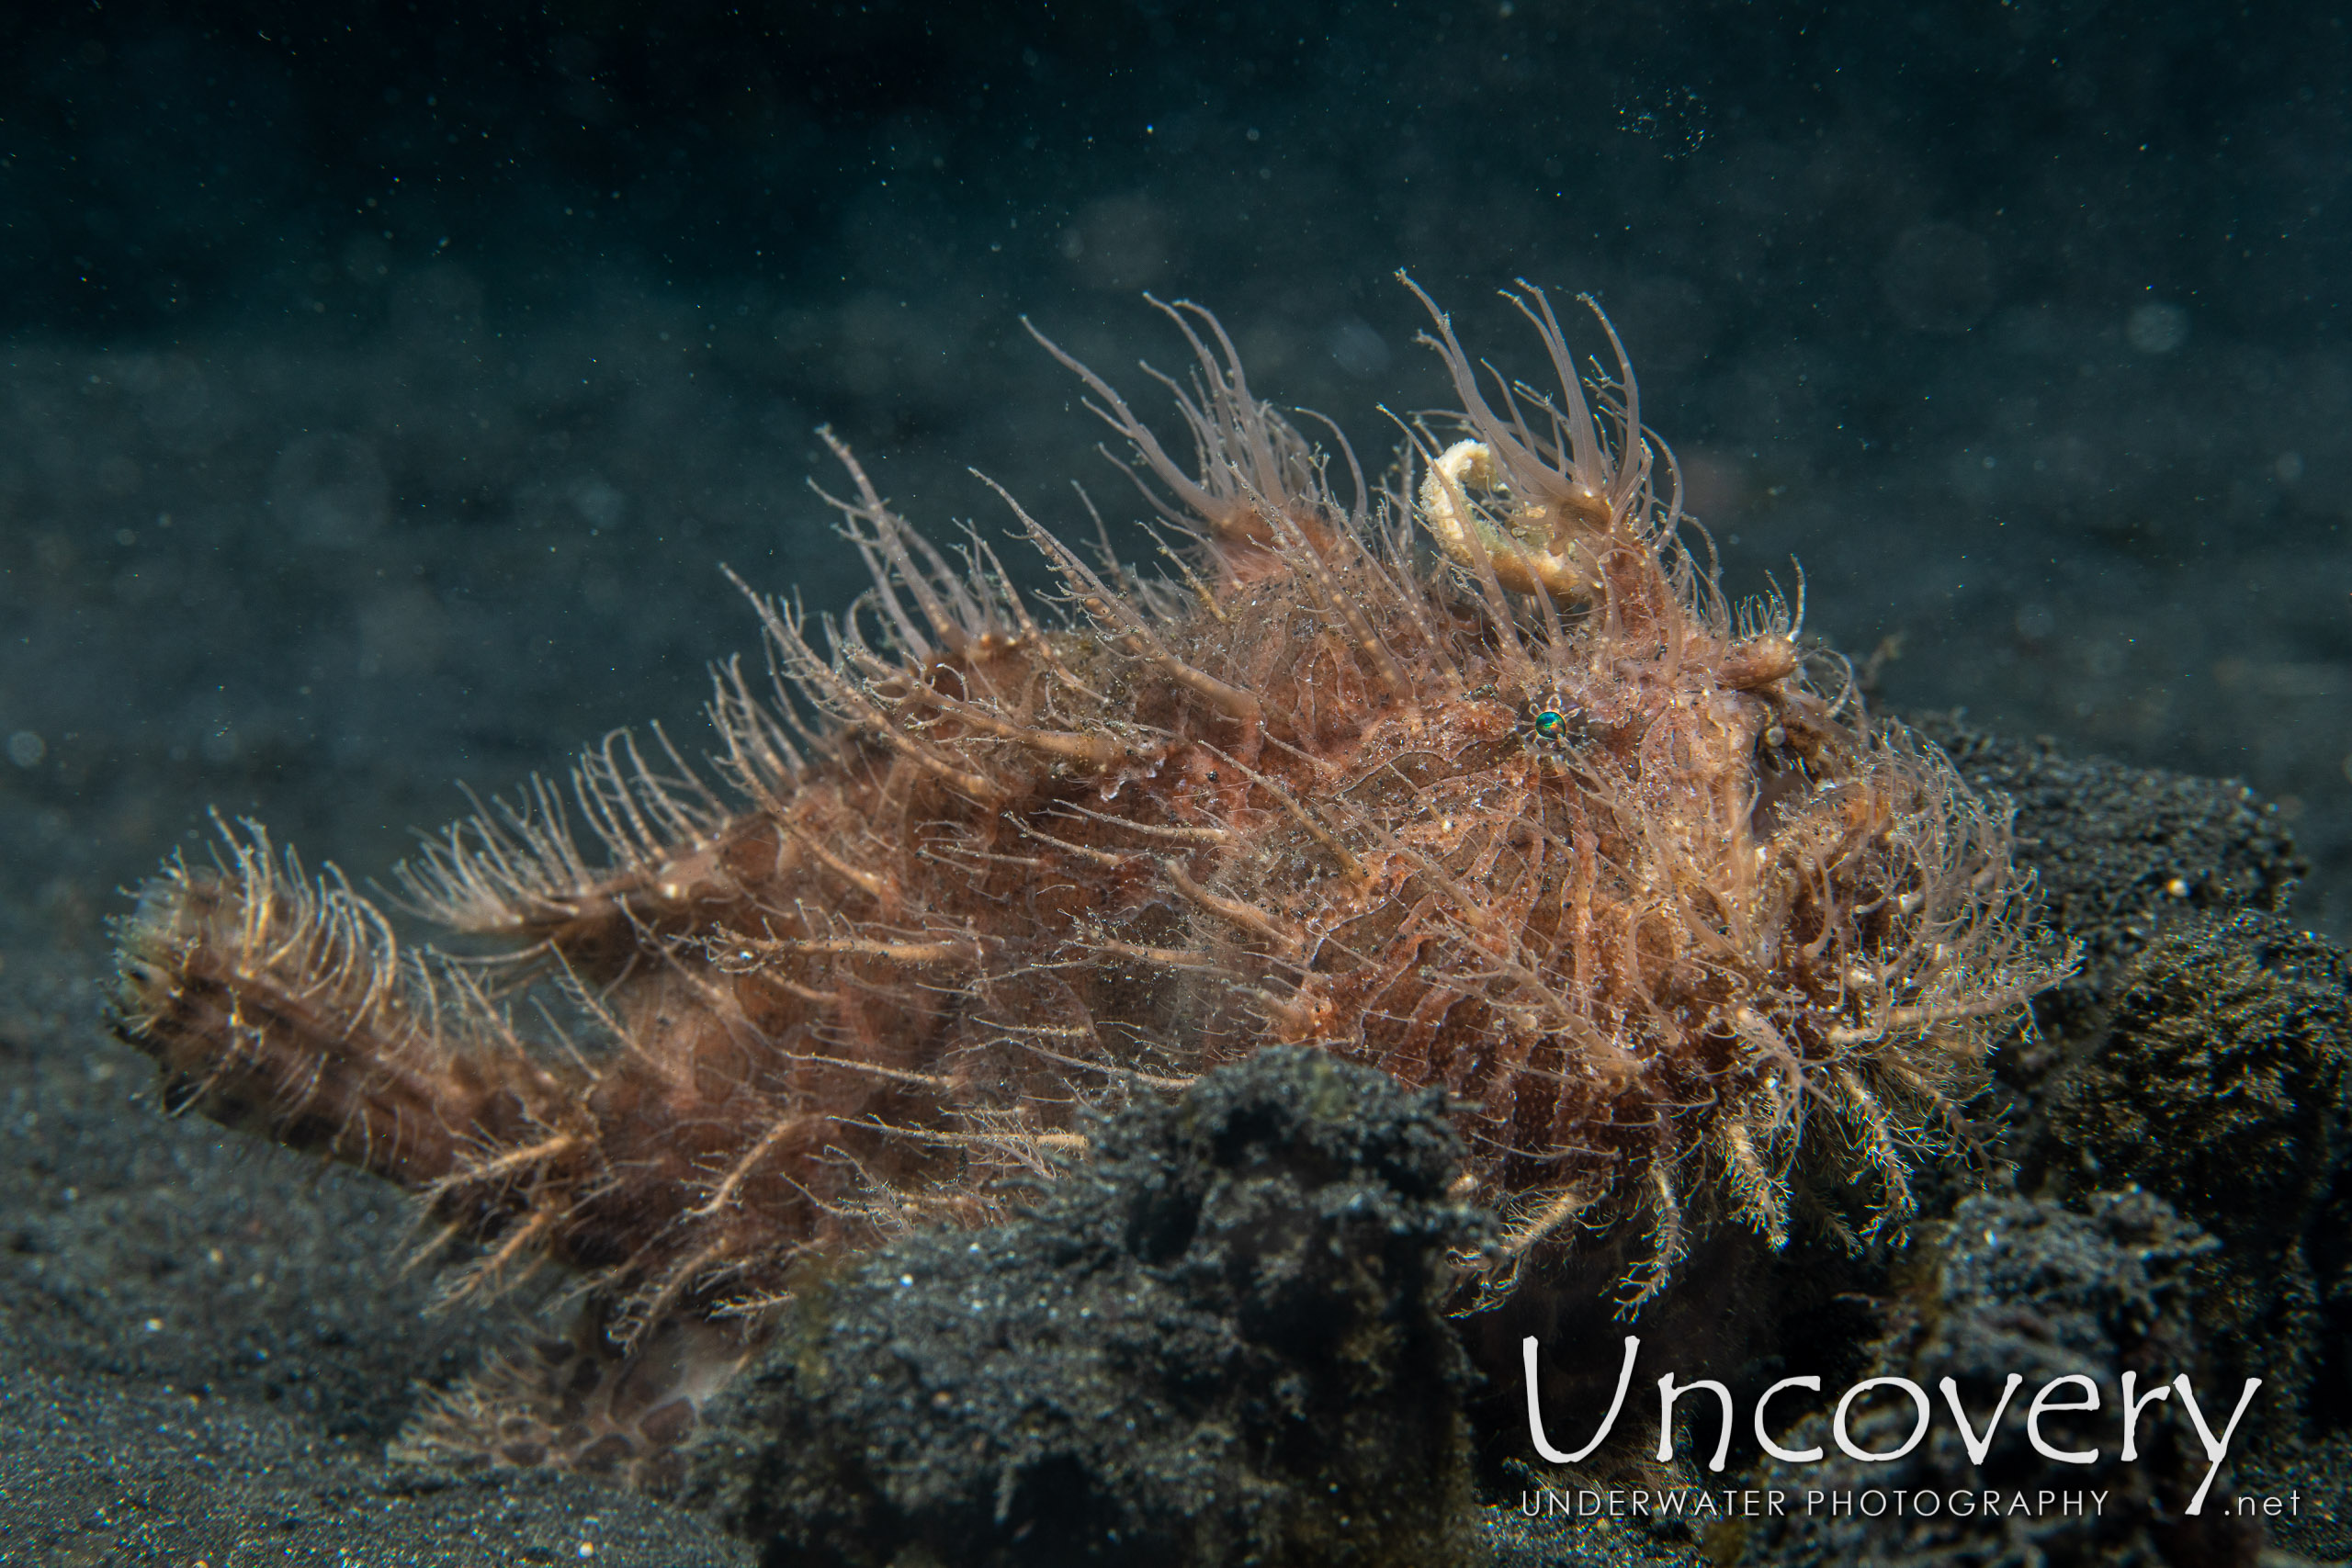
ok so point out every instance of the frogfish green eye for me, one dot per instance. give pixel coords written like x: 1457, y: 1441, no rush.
x: 1550, y: 723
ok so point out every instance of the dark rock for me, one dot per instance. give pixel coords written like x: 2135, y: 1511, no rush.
x: 2031, y: 1287
x: 2121, y: 852
x: 1218, y: 1341
x: 2218, y: 1074
x: 2220, y: 1081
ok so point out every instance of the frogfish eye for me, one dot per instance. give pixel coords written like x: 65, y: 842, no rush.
x: 1550, y: 723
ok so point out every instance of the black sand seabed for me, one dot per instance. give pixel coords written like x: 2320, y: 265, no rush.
x: 382, y: 393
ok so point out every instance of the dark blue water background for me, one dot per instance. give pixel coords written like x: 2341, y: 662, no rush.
x: 384, y: 384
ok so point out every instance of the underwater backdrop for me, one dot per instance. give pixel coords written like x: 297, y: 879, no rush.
x: 385, y: 386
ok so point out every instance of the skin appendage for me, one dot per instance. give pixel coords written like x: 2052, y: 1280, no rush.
x: 1537, y: 816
